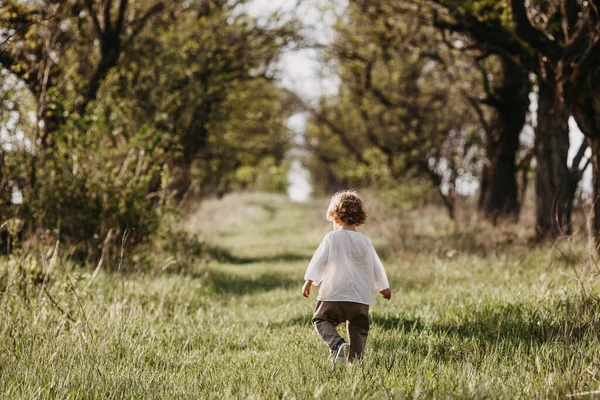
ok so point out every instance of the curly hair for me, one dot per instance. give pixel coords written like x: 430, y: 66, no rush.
x: 346, y: 206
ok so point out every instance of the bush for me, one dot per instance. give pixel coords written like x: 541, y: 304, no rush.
x: 169, y: 248
x: 96, y: 185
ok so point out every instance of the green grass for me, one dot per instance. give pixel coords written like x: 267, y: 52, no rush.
x: 476, y: 312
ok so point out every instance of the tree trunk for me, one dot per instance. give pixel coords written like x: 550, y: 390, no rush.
x: 579, y: 71
x: 498, y: 198
x: 585, y: 104
x: 499, y: 194
x: 449, y: 201
x: 595, y: 145
x: 552, y: 180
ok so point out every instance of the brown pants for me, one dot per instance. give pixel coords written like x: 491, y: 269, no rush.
x: 329, y: 314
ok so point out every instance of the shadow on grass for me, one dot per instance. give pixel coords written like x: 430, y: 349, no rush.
x: 469, y: 337
x: 509, y: 323
x: 301, y: 320
x: 224, y: 283
x: 384, y: 322
x: 474, y: 241
x: 225, y: 256
x: 478, y: 241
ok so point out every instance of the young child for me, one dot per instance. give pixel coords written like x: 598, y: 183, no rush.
x: 350, y: 274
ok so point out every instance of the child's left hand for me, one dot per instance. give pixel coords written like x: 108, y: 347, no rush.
x: 306, y: 288
x: 386, y: 293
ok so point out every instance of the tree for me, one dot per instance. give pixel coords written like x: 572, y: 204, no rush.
x: 578, y: 75
x: 132, y: 118
x: 500, y: 26
x: 43, y: 49
x: 211, y: 86
x: 509, y: 101
x: 396, y: 112
x: 501, y: 109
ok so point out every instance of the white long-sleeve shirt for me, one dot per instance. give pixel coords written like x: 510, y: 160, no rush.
x: 347, y: 268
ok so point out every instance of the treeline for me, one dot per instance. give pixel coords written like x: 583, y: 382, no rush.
x: 114, y: 111
x: 439, y: 91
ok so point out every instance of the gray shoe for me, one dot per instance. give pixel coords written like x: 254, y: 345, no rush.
x: 341, y: 351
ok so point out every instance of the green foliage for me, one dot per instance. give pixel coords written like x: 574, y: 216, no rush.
x: 210, y: 86
x: 136, y: 109
x: 170, y: 249
x: 269, y: 175
x: 401, y: 111
x: 15, y: 123
x: 22, y: 276
x: 94, y: 182
x: 488, y: 11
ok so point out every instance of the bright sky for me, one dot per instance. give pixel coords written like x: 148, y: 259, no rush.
x: 302, y: 71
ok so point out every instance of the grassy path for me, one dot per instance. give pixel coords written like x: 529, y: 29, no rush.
x: 464, y: 322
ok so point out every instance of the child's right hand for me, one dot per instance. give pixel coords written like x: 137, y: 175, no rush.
x: 386, y: 293
x: 306, y: 288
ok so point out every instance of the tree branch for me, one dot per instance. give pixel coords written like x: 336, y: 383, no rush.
x: 107, y: 21
x: 8, y: 61
x: 474, y: 102
x: 121, y: 15
x: 139, y: 24
x: 528, y: 33
x: 568, y: 17
x: 491, y: 96
x: 356, y: 152
x: 524, y: 163
x: 90, y: 7
x: 488, y: 35
x: 579, y: 156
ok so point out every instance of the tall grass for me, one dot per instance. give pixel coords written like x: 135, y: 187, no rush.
x: 477, y: 312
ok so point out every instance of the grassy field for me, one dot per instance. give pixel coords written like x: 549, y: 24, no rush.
x: 476, y: 312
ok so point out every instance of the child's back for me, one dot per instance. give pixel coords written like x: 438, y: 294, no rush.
x: 350, y: 274
x: 354, y: 271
